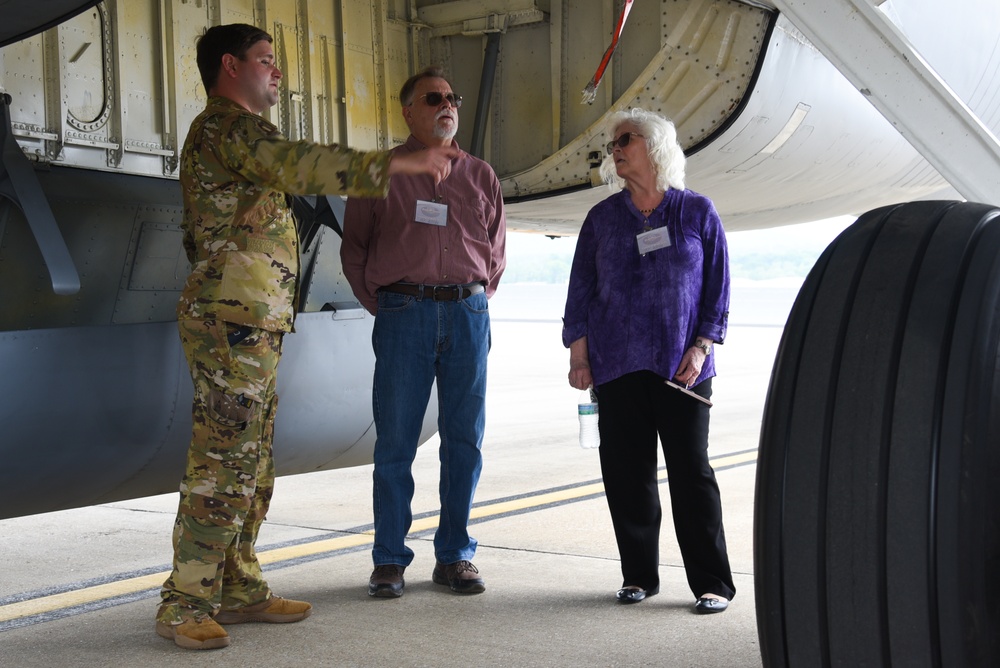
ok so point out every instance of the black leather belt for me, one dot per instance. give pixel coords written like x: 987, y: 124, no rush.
x: 438, y: 293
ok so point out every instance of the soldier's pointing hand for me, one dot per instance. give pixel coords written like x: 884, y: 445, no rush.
x: 434, y: 161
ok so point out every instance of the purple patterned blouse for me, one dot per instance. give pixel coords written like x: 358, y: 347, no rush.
x: 642, y: 312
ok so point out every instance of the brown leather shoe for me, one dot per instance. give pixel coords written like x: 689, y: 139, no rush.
x: 461, y: 576
x: 199, y: 632
x: 386, y: 581
x: 275, y: 610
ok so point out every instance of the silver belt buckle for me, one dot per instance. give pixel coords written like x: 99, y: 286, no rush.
x: 439, y: 296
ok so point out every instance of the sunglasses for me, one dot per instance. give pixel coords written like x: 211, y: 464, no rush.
x: 621, y: 142
x: 435, y: 98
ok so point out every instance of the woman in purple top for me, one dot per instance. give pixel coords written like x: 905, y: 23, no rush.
x: 648, y: 297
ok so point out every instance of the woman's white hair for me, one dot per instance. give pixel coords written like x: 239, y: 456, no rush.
x: 665, y: 153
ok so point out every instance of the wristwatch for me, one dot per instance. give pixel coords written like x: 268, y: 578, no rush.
x: 704, y: 346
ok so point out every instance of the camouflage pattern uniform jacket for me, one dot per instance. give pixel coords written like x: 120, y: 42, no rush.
x: 239, y: 234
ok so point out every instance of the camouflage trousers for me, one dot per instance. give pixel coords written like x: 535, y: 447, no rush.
x: 229, y: 480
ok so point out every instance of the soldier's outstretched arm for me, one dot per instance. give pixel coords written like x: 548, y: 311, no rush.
x: 435, y: 161
x: 306, y: 168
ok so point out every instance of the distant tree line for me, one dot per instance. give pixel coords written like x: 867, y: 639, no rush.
x: 763, y: 266
x: 538, y: 269
x: 555, y: 267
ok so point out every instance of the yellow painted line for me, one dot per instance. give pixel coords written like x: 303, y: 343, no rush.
x: 730, y: 460
x: 69, y: 599
x: 317, y: 547
x: 54, y: 602
x: 503, y: 507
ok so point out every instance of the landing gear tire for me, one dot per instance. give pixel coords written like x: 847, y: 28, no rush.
x: 877, y: 513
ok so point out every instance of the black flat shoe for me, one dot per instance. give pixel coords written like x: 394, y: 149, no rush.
x: 708, y: 605
x: 632, y: 594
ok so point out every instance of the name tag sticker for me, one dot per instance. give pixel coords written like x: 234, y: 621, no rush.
x: 432, y: 213
x: 653, y: 240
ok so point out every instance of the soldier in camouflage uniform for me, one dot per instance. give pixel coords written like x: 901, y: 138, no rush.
x: 238, y: 302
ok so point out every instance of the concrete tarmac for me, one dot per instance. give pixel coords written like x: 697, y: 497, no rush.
x: 79, y: 587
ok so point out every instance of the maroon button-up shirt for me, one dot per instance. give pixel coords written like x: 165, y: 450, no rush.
x: 384, y: 244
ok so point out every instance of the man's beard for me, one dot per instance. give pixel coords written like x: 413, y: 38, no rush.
x: 445, y: 132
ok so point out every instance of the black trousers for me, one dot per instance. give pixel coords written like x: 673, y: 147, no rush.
x: 634, y: 409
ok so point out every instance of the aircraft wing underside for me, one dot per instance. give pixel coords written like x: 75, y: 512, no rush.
x: 24, y: 19
x: 775, y: 134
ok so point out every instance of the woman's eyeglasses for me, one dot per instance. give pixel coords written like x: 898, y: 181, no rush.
x: 434, y: 99
x: 622, y: 141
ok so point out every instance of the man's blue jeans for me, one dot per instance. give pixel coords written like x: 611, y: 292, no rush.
x: 417, y: 341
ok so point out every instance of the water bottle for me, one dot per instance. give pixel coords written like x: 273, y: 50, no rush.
x: 590, y: 437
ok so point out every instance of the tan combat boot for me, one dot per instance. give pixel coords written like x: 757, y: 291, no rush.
x: 275, y: 610
x: 190, y: 629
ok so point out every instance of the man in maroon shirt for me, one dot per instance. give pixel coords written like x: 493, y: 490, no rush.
x: 424, y: 261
